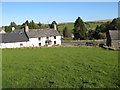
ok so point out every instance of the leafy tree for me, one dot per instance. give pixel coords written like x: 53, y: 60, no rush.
x: 33, y: 25
x: 40, y: 25
x: 66, y: 32
x: 115, y: 24
x: 13, y: 24
x: 8, y: 29
x: 79, y: 29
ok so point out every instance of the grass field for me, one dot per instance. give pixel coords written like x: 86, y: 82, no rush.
x: 60, y: 67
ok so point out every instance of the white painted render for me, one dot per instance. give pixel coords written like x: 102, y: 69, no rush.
x: 33, y: 42
x: 13, y: 45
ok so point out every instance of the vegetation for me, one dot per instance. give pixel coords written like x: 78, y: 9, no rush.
x: 69, y: 26
x: 79, y: 29
x: 82, y: 30
x: 63, y: 67
x: 114, y: 25
x: 67, y: 33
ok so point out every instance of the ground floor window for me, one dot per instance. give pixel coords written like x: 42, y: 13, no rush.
x: 39, y: 44
x: 21, y: 44
x: 48, y: 42
x: 54, y: 42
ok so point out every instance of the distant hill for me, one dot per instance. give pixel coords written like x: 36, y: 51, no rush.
x: 88, y: 24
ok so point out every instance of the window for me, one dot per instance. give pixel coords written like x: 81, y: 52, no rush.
x: 39, y: 44
x: 21, y: 44
x: 54, y: 42
x: 39, y: 38
x: 54, y: 37
x: 47, y: 37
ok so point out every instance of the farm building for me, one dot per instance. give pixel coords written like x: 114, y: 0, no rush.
x: 14, y: 40
x: 30, y: 38
x: 44, y: 37
x: 113, y: 38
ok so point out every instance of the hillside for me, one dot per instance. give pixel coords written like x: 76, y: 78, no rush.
x: 89, y: 25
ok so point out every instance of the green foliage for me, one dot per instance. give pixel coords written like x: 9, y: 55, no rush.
x: 79, y: 29
x: 13, y: 24
x: 8, y: 28
x: 33, y: 25
x: 67, y: 33
x: 40, y: 25
x: 114, y: 25
x: 63, y: 67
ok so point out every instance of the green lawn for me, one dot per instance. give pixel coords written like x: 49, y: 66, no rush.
x: 60, y: 67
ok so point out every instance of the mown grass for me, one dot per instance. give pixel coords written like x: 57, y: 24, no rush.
x: 60, y: 67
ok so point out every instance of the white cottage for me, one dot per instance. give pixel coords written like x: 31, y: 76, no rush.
x: 44, y: 37
x: 30, y: 38
x: 14, y: 39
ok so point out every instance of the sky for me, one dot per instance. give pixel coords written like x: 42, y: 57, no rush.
x: 46, y: 12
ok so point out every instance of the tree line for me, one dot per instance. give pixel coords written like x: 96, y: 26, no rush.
x: 31, y: 24
x: 80, y: 32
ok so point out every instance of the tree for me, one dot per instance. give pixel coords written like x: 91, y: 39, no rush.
x: 13, y: 24
x: 39, y: 24
x: 8, y: 29
x: 33, y: 25
x: 115, y: 24
x: 79, y: 29
x: 67, y: 33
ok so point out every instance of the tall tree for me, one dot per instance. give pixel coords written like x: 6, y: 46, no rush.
x: 40, y: 25
x: 8, y: 29
x: 80, y: 30
x: 33, y: 25
x: 13, y: 24
x: 67, y: 33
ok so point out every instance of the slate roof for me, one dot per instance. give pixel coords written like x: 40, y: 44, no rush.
x: 18, y: 36
x: 115, y: 34
x: 21, y: 36
x: 42, y: 33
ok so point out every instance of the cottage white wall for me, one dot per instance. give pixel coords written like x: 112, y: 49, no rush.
x: 58, y: 40
x: 13, y: 45
x: 33, y: 42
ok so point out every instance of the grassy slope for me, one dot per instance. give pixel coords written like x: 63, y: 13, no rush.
x: 70, y: 26
x: 60, y: 67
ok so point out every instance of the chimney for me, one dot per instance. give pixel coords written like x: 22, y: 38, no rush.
x: 26, y: 28
x: 13, y: 28
x: 55, y: 27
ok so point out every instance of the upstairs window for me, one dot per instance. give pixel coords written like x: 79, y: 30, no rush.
x: 54, y: 37
x: 47, y: 37
x: 39, y: 38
